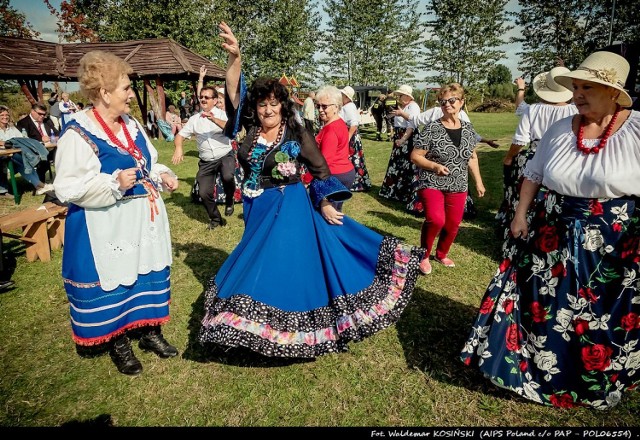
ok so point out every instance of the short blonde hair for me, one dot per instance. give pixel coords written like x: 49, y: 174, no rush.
x: 100, y: 70
x: 453, y: 88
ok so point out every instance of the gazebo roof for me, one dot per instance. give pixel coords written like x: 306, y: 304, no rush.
x: 151, y: 58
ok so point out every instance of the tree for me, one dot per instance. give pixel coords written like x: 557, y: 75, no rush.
x: 283, y: 40
x: 464, y: 40
x: 372, y: 43
x: 499, y: 74
x: 14, y: 23
x: 571, y: 32
x: 72, y: 23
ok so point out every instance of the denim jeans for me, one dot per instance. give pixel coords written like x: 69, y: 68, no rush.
x: 18, y: 167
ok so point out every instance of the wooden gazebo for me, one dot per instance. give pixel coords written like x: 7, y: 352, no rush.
x: 31, y: 62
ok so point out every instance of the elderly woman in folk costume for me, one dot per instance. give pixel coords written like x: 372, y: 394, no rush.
x: 117, y: 248
x: 534, y: 122
x: 560, y: 321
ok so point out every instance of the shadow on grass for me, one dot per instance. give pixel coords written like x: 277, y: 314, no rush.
x: 433, y: 336
x: 103, y: 420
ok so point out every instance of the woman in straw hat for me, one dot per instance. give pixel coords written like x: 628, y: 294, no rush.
x: 560, y: 321
x: 351, y: 116
x: 397, y: 183
x: 535, y: 121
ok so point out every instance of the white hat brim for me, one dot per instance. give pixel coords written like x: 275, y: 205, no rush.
x: 566, y: 80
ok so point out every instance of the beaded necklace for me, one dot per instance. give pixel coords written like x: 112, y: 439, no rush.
x: 603, y: 139
x: 136, y: 154
x: 255, y: 157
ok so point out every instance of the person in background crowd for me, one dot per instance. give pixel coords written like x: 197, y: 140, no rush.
x: 67, y: 109
x: 398, y: 179
x: 7, y: 132
x: 445, y: 154
x: 54, y: 109
x: 333, y: 138
x: 117, y: 249
x: 216, y: 155
x: 559, y: 322
x: 39, y: 127
x: 534, y: 122
x: 173, y: 118
x: 303, y: 273
x: 390, y: 104
x: 309, y: 111
x: 351, y: 116
x: 152, y: 125
x: 378, y: 113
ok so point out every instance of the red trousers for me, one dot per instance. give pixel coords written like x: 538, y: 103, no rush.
x: 443, y: 213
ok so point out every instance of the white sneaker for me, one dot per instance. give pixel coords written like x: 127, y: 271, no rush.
x: 45, y: 189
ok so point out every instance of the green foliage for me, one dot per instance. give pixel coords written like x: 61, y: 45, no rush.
x: 499, y: 74
x: 14, y: 23
x: 571, y: 32
x: 367, y: 45
x: 502, y: 91
x: 464, y: 37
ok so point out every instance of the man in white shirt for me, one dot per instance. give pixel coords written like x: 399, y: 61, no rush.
x: 215, y: 152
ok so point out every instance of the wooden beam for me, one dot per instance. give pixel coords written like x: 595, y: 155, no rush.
x: 59, y: 60
x: 133, y: 52
x: 177, y: 53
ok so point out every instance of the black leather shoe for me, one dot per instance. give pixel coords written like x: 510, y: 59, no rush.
x: 228, y: 210
x: 122, y: 355
x: 214, y: 224
x: 154, y: 341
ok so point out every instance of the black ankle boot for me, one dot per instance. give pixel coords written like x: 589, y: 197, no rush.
x: 122, y: 355
x: 154, y: 341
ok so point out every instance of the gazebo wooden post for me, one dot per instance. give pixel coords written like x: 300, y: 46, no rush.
x: 142, y: 105
x: 161, y: 98
x: 24, y: 86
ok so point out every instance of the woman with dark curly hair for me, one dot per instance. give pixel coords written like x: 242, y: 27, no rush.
x: 305, y: 279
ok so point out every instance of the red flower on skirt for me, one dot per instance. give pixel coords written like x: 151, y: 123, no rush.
x: 630, y: 321
x: 513, y: 337
x: 595, y: 207
x: 487, y: 305
x: 562, y: 401
x: 587, y: 293
x: 581, y: 326
x: 548, y: 238
x: 596, y: 357
x: 538, y: 312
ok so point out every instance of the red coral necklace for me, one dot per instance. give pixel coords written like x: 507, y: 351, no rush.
x: 131, y: 146
x: 603, y: 139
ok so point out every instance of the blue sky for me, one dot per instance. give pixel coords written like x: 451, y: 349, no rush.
x: 38, y: 15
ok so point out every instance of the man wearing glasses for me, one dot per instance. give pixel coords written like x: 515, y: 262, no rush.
x: 215, y: 153
x: 39, y: 126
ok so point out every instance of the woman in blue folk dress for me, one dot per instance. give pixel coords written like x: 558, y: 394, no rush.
x: 560, y: 321
x: 117, y: 248
x: 305, y: 279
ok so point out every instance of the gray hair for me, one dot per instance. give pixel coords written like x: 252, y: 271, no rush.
x: 332, y: 93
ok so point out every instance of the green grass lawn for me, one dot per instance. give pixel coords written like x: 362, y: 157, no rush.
x: 406, y: 375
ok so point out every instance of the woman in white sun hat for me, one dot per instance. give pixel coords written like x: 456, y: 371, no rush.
x: 351, y: 116
x: 398, y: 180
x: 560, y: 321
x: 535, y: 121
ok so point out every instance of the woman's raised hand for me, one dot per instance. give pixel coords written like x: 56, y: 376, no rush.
x: 230, y: 43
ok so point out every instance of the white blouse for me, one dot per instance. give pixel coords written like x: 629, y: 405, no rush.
x: 537, y: 118
x: 125, y: 241
x: 350, y: 114
x: 613, y: 172
x: 413, y: 109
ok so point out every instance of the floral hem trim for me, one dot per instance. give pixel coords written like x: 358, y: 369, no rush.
x: 237, y: 321
x: 90, y: 342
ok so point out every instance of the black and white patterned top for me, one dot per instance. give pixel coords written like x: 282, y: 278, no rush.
x: 433, y: 137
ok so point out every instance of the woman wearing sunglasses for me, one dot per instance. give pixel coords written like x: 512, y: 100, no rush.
x: 444, y: 152
x: 333, y: 138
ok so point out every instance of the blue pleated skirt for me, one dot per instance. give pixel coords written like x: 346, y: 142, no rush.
x: 296, y: 286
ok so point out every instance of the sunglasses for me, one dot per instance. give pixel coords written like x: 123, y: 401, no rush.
x: 41, y: 114
x: 323, y: 107
x: 451, y: 101
x: 207, y: 97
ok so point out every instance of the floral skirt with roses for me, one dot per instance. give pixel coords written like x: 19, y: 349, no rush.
x: 560, y: 321
x: 356, y: 155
